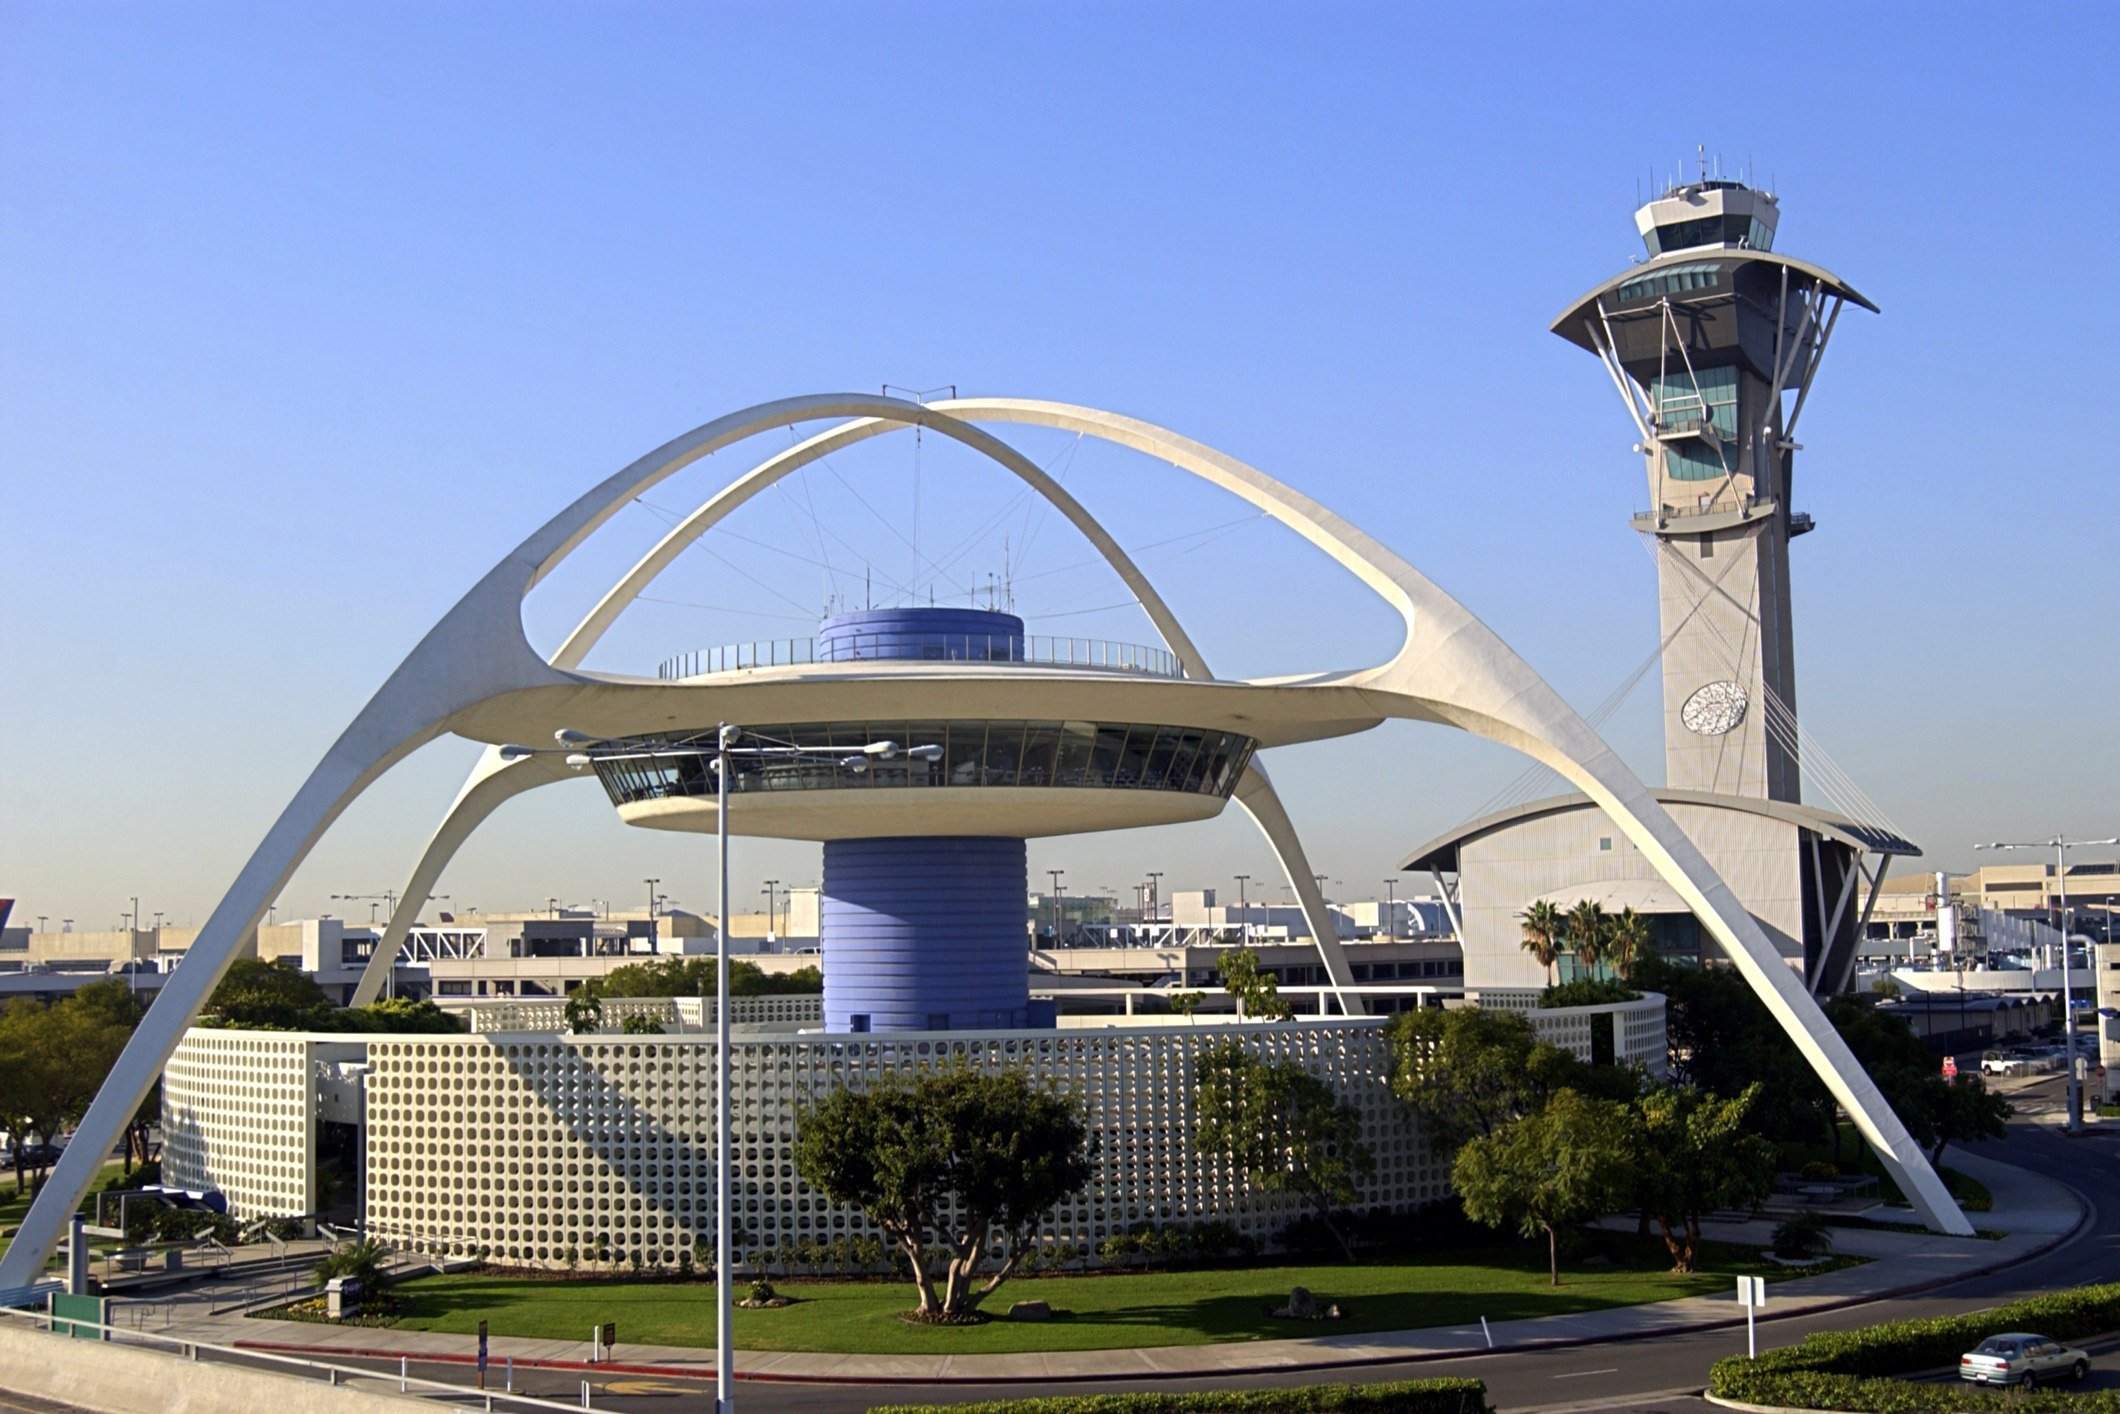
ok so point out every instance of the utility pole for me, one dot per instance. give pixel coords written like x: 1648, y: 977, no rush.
x: 1155, y: 891
x: 651, y: 903
x: 772, y: 931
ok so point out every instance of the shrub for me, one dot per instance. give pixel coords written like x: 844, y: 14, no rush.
x: 1819, y: 1171
x: 1803, y: 1235
x: 1443, y: 1396
x: 362, y: 1261
x: 141, y: 1177
x: 1849, y: 1370
x: 1587, y: 991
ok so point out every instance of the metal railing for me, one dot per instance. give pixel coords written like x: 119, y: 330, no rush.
x: 329, y: 1372
x: 913, y: 646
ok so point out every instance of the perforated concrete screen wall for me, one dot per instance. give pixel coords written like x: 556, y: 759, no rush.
x: 239, y: 1115
x: 529, y: 1145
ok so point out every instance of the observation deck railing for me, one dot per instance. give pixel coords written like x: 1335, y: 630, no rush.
x: 913, y: 646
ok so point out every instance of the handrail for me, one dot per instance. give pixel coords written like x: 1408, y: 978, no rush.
x: 915, y: 646
x: 334, y: 1373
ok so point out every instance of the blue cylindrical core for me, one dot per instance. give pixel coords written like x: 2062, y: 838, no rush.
x: 925, y: 933
x: 932, y: 632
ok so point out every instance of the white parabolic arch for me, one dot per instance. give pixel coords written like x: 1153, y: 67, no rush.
x: 1451, y: 668
x: 493, y: 781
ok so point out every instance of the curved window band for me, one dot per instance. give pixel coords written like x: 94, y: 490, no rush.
x: 1092, y: 755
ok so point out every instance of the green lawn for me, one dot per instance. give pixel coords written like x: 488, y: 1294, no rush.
x: 1090, y: 1313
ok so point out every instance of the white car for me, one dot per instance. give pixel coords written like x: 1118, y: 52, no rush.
x: 2022, y: 1359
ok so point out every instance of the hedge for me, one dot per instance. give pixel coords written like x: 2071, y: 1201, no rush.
x: 1451, y: 1396
x: 1848, y: 1370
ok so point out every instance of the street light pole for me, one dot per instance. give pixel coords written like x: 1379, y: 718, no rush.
x: 2061, y: 845
x: 1243, y: 910
x: 724, y: 1338
x: 1391, y: 909
x: 1056, y: 873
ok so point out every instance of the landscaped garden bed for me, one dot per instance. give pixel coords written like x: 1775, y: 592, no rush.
x: 1503, y: 1281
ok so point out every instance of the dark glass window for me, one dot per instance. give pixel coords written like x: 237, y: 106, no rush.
x: 974, y: 753
x: 1004, y: 752
x: 1041, y: 743
x: 1133, y: 757
x: 1104, y: 757
x: 1078, y: 742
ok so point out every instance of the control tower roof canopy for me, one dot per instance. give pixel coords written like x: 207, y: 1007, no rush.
x: 1681, y: 271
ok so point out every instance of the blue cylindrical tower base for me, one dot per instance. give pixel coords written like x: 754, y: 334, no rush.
x: 925, y: 933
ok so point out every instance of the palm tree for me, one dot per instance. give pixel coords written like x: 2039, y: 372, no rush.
x: 1630, y: 940
x: 1542, y: 934
x: 1588, y: 930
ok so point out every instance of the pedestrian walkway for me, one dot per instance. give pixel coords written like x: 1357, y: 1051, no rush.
x: 2033, y: 1213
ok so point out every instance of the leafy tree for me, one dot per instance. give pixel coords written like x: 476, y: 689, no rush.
x: 694, y: 977
x: 267, y: 996
x: 1722, y: 1039
x: 1542, y: 934
x: 1285, y: 1128
x: 52, y: 1060
x: 1186, y: 1003
x: 1588, y: 929
x: 1258, y: 995
x: 1695, y: 1153
x: 584, y: 1011
x: 114, y: 1006
x: 641, y: 1024
x: 954, y: 1155
x: 1562, y: 1166
x: 1467, y: 1071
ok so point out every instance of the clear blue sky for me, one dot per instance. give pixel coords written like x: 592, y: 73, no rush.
x: 309, y: 312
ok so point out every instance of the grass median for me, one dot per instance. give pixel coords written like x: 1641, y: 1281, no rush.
x: 1121, y: 1310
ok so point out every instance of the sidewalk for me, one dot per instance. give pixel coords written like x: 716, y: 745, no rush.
x: 2034, y: 1213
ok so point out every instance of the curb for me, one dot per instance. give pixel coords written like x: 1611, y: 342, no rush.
x: 1719, y: 1402
x: 706, y: 1372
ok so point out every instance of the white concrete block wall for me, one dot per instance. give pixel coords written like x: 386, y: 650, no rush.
x: 529, y: 1145
x: 239, y: 1115
x: 550, y: 1014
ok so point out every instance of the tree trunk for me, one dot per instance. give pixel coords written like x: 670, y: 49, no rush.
x: 1553, y: 1254
x: 1692, y: 1241
x: 909, y: 1245
x: 1674, y: 1246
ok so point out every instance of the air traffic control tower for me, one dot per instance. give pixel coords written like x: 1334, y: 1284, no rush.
x: 1713, y: 344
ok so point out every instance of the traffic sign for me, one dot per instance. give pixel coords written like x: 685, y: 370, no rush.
x: 1950, y: 1067
x: 1752, y: 1292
